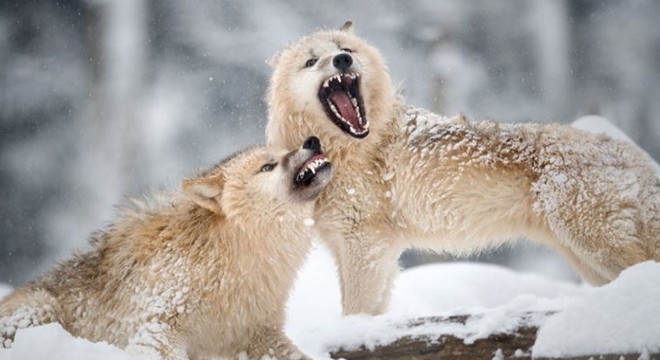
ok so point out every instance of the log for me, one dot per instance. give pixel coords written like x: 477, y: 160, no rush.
x: 516, y: 345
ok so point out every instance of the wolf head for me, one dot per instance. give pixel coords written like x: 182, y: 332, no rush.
x: 262, y: 182
x: 332, y: 84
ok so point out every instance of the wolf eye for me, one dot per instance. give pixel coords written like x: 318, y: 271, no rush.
x: 346, y: 50
x: 311, y: 62
x: 268, y: 167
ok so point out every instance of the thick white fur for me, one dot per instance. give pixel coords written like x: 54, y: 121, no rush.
x: 206, y: 272
x: 423, y: 180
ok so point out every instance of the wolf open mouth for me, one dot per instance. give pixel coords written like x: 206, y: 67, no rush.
x: 340, y: 96
x: 310, y: 168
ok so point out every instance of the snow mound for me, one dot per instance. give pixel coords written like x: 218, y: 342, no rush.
x: 456, y: 287
x: 621, y: 317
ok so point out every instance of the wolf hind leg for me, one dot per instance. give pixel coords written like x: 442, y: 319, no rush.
x: 24, y: 308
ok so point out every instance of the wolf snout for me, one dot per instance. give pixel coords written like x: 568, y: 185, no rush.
x: 342, y: 61
x: 312, y: 143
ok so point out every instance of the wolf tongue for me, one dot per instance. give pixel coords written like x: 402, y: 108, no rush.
x: 345, y: 108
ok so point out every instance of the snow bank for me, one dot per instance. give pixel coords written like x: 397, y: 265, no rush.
x: 621, y: 317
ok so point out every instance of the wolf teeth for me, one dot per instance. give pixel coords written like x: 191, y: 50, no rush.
x: 334, y: 110
x: 313, y: 167
x: 338, y: 78
x: 354, y: 102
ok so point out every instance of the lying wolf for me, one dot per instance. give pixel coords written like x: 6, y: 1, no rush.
x: 207, y: 274
x: 406, y: 177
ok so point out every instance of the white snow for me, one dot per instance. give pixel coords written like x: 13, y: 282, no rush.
x: 621, y: 317
x: 499, y: 296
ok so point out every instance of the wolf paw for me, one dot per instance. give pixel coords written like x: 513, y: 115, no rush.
x: 7, y: 334
x: 21, y: 318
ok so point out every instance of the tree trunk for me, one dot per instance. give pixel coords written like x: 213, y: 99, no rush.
x: 511, y: 345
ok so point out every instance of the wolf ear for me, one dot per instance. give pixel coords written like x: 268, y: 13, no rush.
x: 205, y: 191
x: 274, y: 59
x: 348, y: 27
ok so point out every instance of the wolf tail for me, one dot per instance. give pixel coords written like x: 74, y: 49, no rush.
x: 24, y: 308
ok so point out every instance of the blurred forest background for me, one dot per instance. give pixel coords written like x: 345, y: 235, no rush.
x: 104, y: 99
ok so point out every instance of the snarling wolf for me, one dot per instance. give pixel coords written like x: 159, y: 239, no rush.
x: 205, y: 273
x: 407, y: 177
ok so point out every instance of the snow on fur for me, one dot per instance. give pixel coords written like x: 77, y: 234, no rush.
x: 599, y: 125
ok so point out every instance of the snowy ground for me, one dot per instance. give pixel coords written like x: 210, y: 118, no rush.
x: 623, y: 316
x: 315, y: 324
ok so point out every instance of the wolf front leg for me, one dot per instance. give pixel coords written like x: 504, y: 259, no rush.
x: 367, y: 266
x: 270, y: 342
x: 27, y: 307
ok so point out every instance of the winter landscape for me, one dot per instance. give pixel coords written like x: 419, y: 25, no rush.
x: 101, y: 100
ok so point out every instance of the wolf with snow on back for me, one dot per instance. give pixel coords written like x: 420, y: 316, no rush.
x: 205, y: 274
x: 407, y: 177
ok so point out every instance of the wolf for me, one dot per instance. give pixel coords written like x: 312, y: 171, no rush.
x: 206, y: 272
x: 405, y: 177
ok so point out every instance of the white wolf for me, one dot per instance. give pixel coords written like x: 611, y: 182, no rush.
x: 406, y: 177
x: 206, y: 274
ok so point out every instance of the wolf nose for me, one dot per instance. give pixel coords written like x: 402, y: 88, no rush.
x: 312, y: 143
x: 342, y: 61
